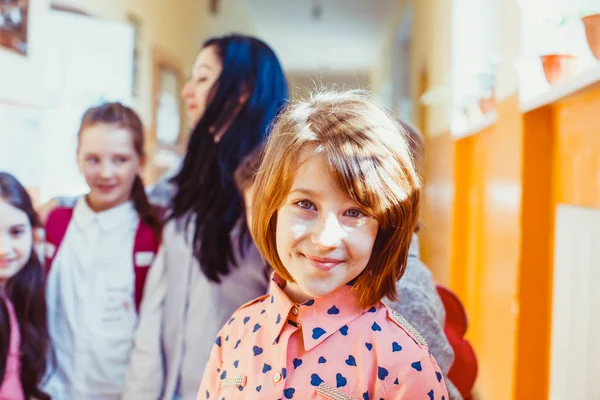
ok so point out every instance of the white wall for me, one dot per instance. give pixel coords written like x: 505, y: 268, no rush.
x: 22, y: 82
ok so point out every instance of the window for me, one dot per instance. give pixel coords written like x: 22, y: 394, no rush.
x: 554, y: 45
x: 475, y: 48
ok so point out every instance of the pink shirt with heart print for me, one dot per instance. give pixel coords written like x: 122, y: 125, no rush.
x: 325, y: 348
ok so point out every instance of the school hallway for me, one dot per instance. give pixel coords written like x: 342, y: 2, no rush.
x: 505, y: 93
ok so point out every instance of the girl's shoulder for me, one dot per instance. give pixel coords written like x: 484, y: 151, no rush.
x: 397, y: 319
x: 402, y: 355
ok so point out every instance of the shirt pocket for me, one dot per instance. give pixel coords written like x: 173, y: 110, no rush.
x: 116, y: 316
x: 326, y: 391
x: 232, y: 384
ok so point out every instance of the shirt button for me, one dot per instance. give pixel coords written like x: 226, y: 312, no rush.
x: 277, y: 377
x: 295, y: 311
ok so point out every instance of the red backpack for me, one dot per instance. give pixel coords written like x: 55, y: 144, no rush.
x: 145, y: 243
x: 464, y: 370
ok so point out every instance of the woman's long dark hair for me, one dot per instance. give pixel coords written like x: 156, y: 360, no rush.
x: 26, y: 290
x: 124, y: 117
x: 206, y: 193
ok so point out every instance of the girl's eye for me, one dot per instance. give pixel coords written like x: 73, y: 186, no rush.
x: 304, y: 204
x: 120, y: 160
x: 17, y: 232
x: 201, y: 79
x: 354, y: 213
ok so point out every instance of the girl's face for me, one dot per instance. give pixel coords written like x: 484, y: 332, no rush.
x: 324, y: 238
x: 196, y: 91
x: 16, y: 241
x: 109, y: 162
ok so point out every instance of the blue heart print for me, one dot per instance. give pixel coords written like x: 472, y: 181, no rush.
x: 430, y: 394
x: 258, y: 388
x: 289, y: 393
x: 257, y: 350
x: 333, y: 311
x: 322, y: 360
x: 266, y: 368
x: 369, y: 346
x: 340, y: 380
x: 438, y: 376
x: 297, y: 362
x: 351, y: 361
x: 315, y: 380
x: 375, y: 327
x: 246, y: 320
x: 417, y: 365
x: 396, y: 347
x: 236, y: 363
x: 382, y: 373
x: 318, y: 332
x: 344, y: 330
x: 256, y: 327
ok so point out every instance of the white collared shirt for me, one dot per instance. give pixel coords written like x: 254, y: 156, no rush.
x: 91, y: 309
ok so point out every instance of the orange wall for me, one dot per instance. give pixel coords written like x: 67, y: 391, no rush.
x: 437, y: 206
x: 562, y: 166
x: 537, y: 222
x: 577, y: 162
x: 489, y: 207
x: 480, y: 222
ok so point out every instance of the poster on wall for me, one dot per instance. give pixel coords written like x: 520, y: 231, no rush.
x: 13, y: 25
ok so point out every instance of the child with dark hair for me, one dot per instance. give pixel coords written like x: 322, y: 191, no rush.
x: 24, y: 339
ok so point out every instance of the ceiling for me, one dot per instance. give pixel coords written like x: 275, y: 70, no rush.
x: 347, y: 36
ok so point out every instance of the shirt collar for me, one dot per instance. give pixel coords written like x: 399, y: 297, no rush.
x: 108, y: 219
x: 318, y: 318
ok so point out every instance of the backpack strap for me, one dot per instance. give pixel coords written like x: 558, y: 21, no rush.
x: 56, y: 228
x: 145, y: 248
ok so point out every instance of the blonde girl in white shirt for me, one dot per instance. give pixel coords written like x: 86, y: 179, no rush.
x: 97, y: 272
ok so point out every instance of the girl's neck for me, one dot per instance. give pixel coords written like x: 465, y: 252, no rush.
x: 293, y: 291
x: 99, y: 207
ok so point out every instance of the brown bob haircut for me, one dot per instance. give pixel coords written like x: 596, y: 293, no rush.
x: 368, y: 154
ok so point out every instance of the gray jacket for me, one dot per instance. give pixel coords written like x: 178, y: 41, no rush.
x: 181, y: 315
x: 420, y: 304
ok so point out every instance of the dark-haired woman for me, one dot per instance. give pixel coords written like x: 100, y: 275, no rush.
x: 207, y: 266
